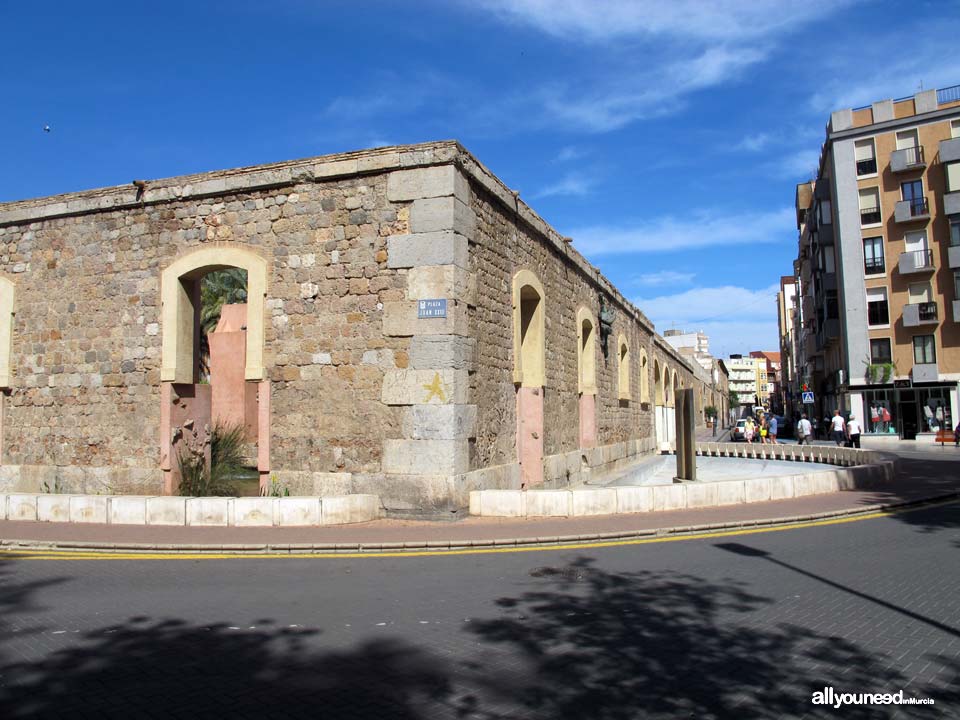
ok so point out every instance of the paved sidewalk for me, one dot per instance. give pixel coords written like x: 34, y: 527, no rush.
x: 917, y: 479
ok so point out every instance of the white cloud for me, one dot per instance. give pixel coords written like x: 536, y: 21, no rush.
x: 868, y: 73
x: 602, y: 20
x: 568, y: 153
x: 736, y: 319
x: 799, y: 166
x: 700, y: 228
x: 664, y: 277
x: 571, y: 184
x: 638, y: 94
x: 753, y: 143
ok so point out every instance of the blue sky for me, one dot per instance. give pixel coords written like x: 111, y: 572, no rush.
x: 665, y: 137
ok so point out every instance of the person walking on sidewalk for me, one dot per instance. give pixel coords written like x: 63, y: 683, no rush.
x: 838, y: 428
x: 804, y: 430
x: 772, y: 430
x: 853, y: 431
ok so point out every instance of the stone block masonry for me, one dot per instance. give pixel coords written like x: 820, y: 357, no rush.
x: 358, y: 394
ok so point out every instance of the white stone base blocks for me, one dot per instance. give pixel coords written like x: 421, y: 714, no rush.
x: 196, y: 512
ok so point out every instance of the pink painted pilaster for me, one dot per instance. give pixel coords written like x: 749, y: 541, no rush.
x: 166, y: 403
x: 588, y: 421
x: 530, y: 435
x: 263, y: 434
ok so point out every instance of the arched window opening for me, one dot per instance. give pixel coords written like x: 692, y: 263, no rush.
x: 623, y: 356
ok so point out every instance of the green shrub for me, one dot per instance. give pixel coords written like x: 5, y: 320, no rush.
x: 226, y: 462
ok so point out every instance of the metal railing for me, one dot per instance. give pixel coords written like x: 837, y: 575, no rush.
x: 913, y: 155
x: 927, y: 311
x: 866, y: 167
x: 919, y: 258
x: 869, y: 216
x: 948, y: 94
x: 919, y: 206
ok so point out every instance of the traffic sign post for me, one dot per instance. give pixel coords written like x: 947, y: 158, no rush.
x: 808, y: 398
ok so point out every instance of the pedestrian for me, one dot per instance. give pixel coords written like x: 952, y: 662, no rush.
x: 804, y: 430
x: 772, y: 430
x: 748, y: 430
x: 762, y: 424
x: 956, y: 435
x: 838, y: 428
x: 853, y: 431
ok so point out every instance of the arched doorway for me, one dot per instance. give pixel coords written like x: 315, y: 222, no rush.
x: 587, y: 377
x: 528, y: 374
x: 659, y: 402
x: 212, y: 372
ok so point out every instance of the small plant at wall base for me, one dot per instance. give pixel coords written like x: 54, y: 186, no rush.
x: 710, y: 412
x: 197, y: 479
x: 276, y: 489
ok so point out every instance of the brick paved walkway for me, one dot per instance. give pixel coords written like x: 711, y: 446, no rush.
x: 923, y: 476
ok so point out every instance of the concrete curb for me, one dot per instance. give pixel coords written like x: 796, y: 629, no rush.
x: 440, y: 545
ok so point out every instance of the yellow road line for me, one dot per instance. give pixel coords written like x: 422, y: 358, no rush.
x: 58, y: 554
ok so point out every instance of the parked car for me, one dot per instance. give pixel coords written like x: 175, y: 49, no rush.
x: 738, y: 431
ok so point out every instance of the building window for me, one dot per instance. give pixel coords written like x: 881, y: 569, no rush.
x: 873, y: 255
x: 870, y: 206
x: 528, y: 330
x: 880, y: 351
x: 907, y: 140
x: 823, y: 208
x: 956, y: 284
x: 880, y: 406
x: 955, y: 128
x: 955, y: 230
x: 866, y: 157
x: 924, y: 350
x: 586, y: 353
x: 624, y: 369
x: 912, y: 192
x: 952, y: 172
x: 877, y: 313
x: 832, y: 305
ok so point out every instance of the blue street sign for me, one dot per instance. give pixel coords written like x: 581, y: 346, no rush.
x: 432, y: 308
x: 808, y: 398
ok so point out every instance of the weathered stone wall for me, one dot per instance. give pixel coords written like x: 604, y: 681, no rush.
x: 364, y: 395
x: 503, y: 245
x: 87, y: 342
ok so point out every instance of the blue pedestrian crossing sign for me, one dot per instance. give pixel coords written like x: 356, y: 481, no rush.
x: 807, y: 398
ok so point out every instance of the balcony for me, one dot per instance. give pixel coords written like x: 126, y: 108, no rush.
x: 826, y: 234
x: 915, y: 261
x: 925, y: 372
x: 949, y: 150
x: 870, y: 216
x: 953, y: 256
x: 915, y: 314
x: 911, y: 210
x: 951, y: 203
x: 874, y: 266
x: 908, y: 159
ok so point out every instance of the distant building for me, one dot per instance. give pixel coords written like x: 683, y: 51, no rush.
x: 691, y: 344
x: 747, y: 379
x: 786, y: 310
x: 769, y: 379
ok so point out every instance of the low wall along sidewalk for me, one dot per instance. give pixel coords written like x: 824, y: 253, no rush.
x: 854, y: 469
x: 183, y: 511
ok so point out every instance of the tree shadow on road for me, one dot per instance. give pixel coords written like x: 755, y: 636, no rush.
x: 581, y: 643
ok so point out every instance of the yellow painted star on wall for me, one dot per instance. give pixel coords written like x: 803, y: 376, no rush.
x: 435, y: 388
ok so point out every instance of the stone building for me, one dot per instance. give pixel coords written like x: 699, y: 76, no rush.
x: 412, y: 329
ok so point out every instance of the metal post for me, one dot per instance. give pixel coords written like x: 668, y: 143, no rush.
x: 686, y: 442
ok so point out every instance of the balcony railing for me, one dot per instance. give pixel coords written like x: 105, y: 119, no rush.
x: 910, y: 158
x: 913, y: 209
x: 915, y: 261
x: 872, y: 266
x: 866, y: 167
x: 919, y: 314
x: 869, y: 216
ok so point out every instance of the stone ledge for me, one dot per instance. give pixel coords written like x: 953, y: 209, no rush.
x: 678, y: 496
x: 182, y: 511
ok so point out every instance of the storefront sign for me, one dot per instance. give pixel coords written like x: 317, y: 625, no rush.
x: 901, y: 383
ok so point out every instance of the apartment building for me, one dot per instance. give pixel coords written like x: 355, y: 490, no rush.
x: 695, y: 345
x: 786, y: 310
x: 748, y: 378
x: 769, y: 379
x: 877, y: 277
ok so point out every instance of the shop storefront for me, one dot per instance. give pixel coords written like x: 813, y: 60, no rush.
x: 906, y: 412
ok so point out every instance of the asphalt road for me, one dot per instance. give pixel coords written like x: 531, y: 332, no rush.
x: 727, y: 627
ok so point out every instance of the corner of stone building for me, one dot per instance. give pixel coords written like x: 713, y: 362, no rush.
x: 438, y: 423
